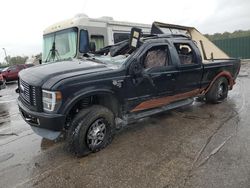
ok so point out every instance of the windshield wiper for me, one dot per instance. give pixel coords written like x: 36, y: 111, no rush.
x: 53, y: 54
x: 91, y: 57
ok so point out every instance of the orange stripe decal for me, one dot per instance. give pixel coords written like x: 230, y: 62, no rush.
x: 153, y: 103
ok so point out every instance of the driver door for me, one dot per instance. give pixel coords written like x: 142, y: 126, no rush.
x: 157, y: 79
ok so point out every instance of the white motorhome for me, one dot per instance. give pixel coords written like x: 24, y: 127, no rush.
x: 72, y: 37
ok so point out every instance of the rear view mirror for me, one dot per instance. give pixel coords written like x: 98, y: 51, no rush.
x: 92, y: 47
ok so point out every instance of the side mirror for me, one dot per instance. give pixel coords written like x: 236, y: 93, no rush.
x: 135, y: 36
x: 137, y: 72
x: 92, y: 47
x: 8, y: 70
x: 136, y: 68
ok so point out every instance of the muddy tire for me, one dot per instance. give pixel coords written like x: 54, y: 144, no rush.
x: 218, y: 92
x: 91, y: 130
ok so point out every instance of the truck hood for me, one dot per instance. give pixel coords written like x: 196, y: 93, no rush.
x: 54, y: 72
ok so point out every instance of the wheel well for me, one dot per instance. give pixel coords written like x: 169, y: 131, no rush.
x: 107, y: 100
x: 224, y: 74
x: 229, y: 78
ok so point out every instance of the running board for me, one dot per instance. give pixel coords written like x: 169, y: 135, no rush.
x: 133, y: 117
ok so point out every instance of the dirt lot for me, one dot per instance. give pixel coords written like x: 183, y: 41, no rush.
x: 198, y: 146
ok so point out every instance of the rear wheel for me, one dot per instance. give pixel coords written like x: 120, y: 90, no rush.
x: 91, y: 130
x: 218, y: 92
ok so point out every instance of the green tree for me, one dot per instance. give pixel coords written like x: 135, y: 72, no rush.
x: 226, y: 35
x: 16, y: 60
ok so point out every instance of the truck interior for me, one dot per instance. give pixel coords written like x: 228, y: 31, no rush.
x: 156, y: 57
x: 185, y: 53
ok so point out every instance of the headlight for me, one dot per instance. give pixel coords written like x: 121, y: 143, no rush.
x: 51, y: 100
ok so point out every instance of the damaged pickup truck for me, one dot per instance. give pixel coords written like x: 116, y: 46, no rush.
x: 89, y: 98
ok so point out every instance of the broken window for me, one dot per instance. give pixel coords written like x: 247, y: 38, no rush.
x: 156, y: 57
x: 118, y: 37
x: 185, y: 53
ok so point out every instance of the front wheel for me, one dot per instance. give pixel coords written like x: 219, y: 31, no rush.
x: 91, y: 130
x: 218, y: 92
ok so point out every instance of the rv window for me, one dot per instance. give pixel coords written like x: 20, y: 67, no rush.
x: 64, y: 42
x: 84, y: 42
x: 98, y: 40
x: 118, y: 37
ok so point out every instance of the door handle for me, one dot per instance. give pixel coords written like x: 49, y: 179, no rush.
x: 171, y: 75
x: 155, y: 75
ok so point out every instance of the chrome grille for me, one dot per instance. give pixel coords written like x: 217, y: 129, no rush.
x: 27, y: 92
x: 33, y: 92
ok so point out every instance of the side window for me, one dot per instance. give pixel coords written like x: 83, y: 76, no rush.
x: 185, y: 53
x: 156, y: 57
x: 118, y: 37
x: 12, y: 69
x: 98, y: 40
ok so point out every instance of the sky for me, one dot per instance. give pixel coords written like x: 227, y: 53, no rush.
x: 23, y: 21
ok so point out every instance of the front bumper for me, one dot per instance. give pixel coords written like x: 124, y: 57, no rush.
x: 46, y: 123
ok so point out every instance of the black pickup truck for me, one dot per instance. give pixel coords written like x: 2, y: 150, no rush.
x: 89, y: 98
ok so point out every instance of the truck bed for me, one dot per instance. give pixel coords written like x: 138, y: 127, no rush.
x: 230, y: 67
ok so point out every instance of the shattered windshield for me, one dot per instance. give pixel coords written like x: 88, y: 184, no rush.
x: 60, y: 45
x: 113, y: 56
x: 116, y: 61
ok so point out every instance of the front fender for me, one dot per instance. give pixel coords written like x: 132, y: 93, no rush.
x: 80, y: 95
